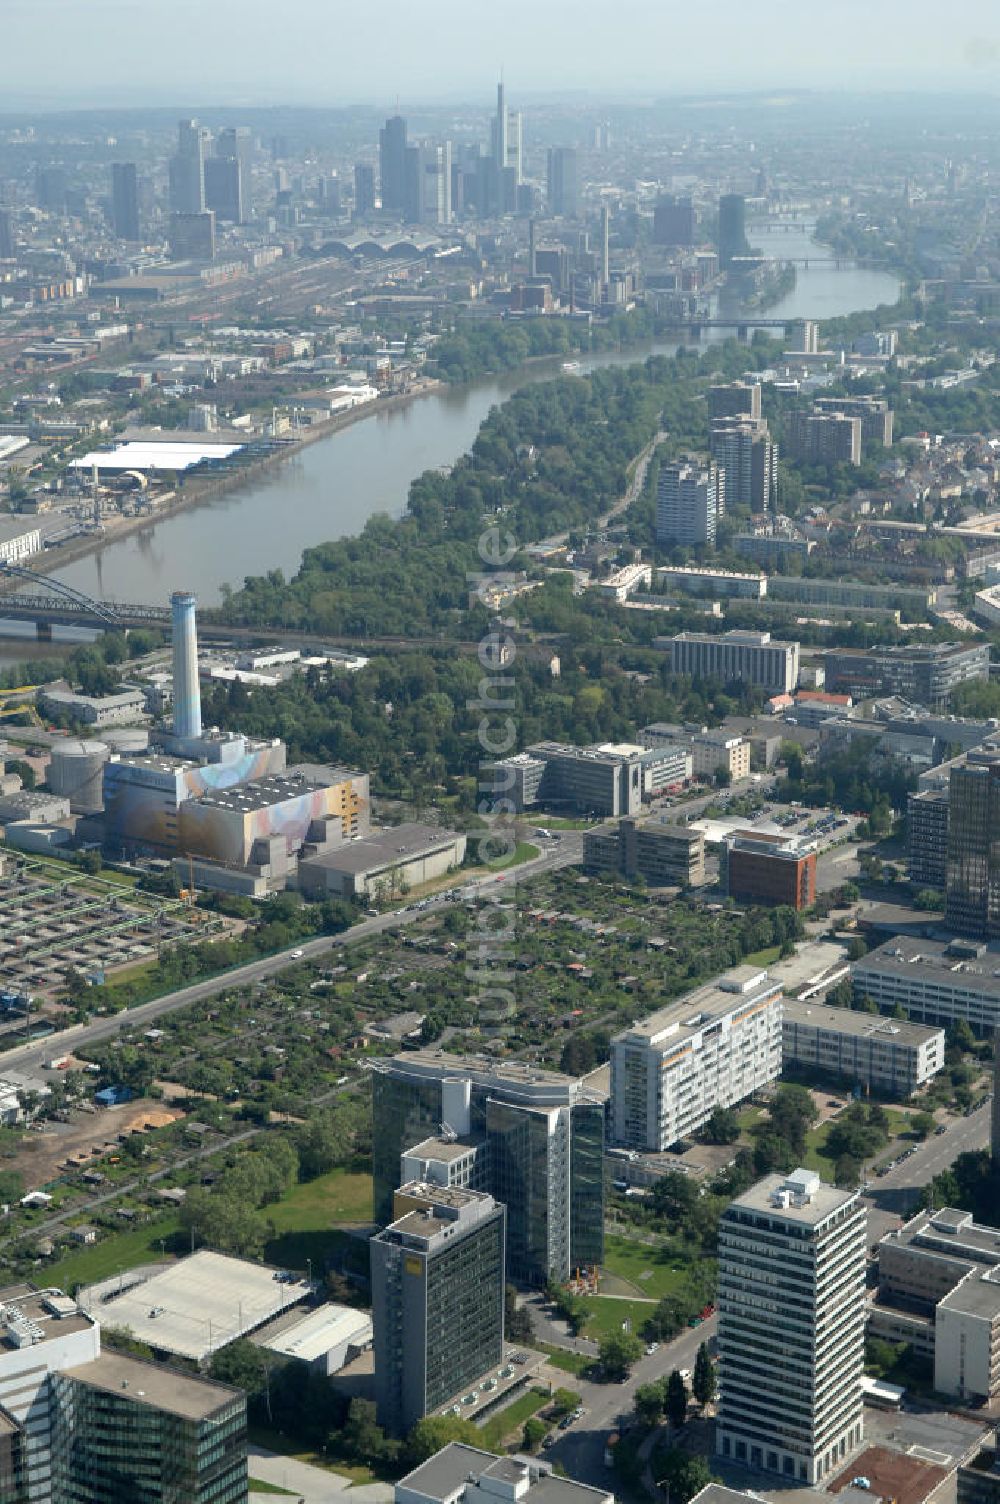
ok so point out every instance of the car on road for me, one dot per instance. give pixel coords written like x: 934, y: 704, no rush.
x: 297, y: 953
x: 651, y: 1348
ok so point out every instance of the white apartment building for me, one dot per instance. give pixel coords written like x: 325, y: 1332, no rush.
x: 712, y: 1048
x: 791, y: 1327
x: 892, y: 1055
x: 625, y: 582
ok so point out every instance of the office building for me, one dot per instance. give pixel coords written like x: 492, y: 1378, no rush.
x: 927, y: 837
x: 746, y: 453
x: 732, y: 228
x: 121, y: 709
x: 933, y: 981
x: 563, y: 182
x: 124, y: 200
x: 236, y: 141
x: 874, y: 413
x: 7, y: 241
x: 749, y: 657
x: 824, y: 438
x: 392, y: 163
x: 924, y: 674
x: 803, y: 337
x: 690, y: 500
x: 734, y: 399
x: 187, y: 169
x: 427, y: 185
x: 127, y: 1429
x: 674, y: 221
x: 460, y: 1474
x: 51, y: 187
x: 972, y: 865
x: 364, y: 189
x: 192, y: 236
x: 540, y: 1138
x: 758, y: 867
x: 610, y: 779
x: 171, y: 1436
x: 506, y: 147
x: 791, y: 1327
x: 854, y: 595
x: 224, y: 188
x: 938, y: 1290
x: 712, y: 1048
x: 882, y: 1054
x: 437, y: 1279
x: 662, y: 854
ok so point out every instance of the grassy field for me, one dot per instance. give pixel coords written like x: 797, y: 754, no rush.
x: 561, y: 1357
x: 258, y: 1486
x: 511, y: 1419
x: 123, y: 1250
x: 605, y: 1316
x: 649, y: 1270
x: 765, y: 957
x: 307, y: 1222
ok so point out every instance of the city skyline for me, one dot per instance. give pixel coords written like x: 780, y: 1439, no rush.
x: 244, y: 57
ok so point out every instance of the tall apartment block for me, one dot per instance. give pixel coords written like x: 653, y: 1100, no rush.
x: 734, y: 399
x: 437, y: 1274
x: 874, y: 412
x: 125, y: 200
x: 791, y: 1327
x: 539, y: 1141
x: 750, y: 656
x: 745, y: 451
x: 690, y: 500
x: 712, y: 1048
x: 972, y: 865
x: 827, y: 438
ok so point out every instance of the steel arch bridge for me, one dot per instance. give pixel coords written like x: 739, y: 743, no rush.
x: 75, y: 600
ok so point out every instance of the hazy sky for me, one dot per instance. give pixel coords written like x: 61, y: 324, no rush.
x: 329, y: 52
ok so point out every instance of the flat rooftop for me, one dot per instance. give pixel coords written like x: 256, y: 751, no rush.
x: 457, y: 1467
x: 50, y: 1314
x: 484, y: 1071
x: 194, y: 1307
x: 953, y: 1232
x: 261, y: 793
x: 735, y: 990
x: 858, y: 1025
x: 823, y: 1202
x: 312, y: 1334
x: 968, y: 964
x: 398, y: 843
x: 445, y: 1150
x: 151, y: 1384
x: 976, y: 1295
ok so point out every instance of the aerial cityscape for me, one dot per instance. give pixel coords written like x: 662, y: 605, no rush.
x: 499, y: 754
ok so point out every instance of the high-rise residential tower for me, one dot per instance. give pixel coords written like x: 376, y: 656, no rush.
x: 791, y: 1327
x: 187, y: 687
x: 690, y: 499
x: 539, y: 1142
x: 125, y: 200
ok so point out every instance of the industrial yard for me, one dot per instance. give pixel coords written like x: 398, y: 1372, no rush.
x: 56, y: 921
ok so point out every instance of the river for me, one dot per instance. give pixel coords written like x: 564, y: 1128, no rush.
x: 331, y: 488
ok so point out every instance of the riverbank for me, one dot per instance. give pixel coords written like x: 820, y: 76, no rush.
x: 201, y: 492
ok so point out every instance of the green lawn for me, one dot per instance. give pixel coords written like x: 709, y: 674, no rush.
x: 605, y: 1316
x: 120, y: 1251
x: 258, y: 1486
x: 765, y: 957
x: 308, y: 1222
x: 650, y: 1270
x: 511, y: 1418
x: 561, y: 1357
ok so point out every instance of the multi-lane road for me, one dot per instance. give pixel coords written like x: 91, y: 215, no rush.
x: 31, y: 1058
x: 896, y: 1194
